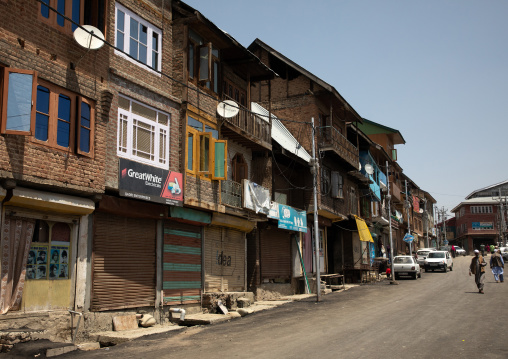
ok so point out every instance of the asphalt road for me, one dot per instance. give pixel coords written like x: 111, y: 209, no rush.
x: 440, y: 315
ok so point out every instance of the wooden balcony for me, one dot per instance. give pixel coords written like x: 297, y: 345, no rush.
x: 248, y: 129
x: 330, y: 139
x: 395, y: 192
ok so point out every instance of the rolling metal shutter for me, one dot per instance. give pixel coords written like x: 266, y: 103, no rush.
x: 123, y: 262
x: 225, y: 259
x: 275, y: 254
x: 181, y: 263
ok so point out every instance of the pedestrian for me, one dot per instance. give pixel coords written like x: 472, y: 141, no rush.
x: 453, y: 251
x: 497, y: 265
x: 482, y: 248
x: 492, y: 247
x: 388, y: 272
x: 477, y: 268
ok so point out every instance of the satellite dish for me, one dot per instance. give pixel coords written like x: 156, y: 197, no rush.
x: 421, y: 210
x: 86, y: 39
x: 227, y: 108
x: 369, y: 169
x: 359, y: 166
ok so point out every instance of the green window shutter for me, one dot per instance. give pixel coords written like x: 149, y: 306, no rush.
x: 220, y: 160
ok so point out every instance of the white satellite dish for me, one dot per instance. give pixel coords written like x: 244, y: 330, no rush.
x: 421, y: 210
x: 227, y: 108
x: 359, y: 166
x: 369, y: 169
x: 86, y: 39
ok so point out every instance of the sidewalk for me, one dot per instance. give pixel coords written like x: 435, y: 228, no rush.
x: 47, y: 349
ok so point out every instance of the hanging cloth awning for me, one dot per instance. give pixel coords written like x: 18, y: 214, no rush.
x: 363, y: 230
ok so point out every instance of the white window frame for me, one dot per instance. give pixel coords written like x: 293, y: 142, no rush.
x: 130, y: 118
x: 126, y: 46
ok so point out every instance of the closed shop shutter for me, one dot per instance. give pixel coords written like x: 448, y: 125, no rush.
x: 224, y: 259
x: 181, y: 263
x: 275, y: 254
x: 123, y: 262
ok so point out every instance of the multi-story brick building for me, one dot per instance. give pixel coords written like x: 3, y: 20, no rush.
x: 479, y: 219
x: 54, y: 117
x: 298, y: 96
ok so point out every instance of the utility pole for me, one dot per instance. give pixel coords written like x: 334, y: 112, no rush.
x: 426, y: 221
x: 316, y: 228
x: 388, y: 198
x: 503, y: 222
x: 436, y: 221
x: 443, y: 210
x: 407, y: 204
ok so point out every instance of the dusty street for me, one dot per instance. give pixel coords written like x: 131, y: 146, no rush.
x: 441, y: 315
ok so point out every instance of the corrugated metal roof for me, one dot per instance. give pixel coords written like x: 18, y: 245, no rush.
x: 281, y: 134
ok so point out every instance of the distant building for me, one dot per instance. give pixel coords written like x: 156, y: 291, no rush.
x: 479, y: 219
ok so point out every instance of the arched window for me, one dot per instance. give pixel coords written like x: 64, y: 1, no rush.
x: 240, y: 168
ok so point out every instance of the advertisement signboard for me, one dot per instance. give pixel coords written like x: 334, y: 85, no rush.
x: 482, y: 225
x: 291, y: 219
x: 149, y: 183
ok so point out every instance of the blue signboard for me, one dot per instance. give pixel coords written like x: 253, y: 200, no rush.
x: 372, y: 253
x: 290, y: 218
x: 408, y: 238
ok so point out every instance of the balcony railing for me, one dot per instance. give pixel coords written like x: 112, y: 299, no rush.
x: 231, y: 193
x: 331, y: 138
x: 250, y: 123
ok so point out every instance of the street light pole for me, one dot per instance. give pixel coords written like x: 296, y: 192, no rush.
x: 408, y: 209
x: 316, y: 228
x: 426, y: 220
x: 388, y: 198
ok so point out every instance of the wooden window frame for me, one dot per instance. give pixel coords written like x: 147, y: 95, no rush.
x: 211, y: 80
x: 79, y: 127
x: 4, y: 94
x: 198, y: 153
x: 54, y: 93
x: 237, y: 166
x: 51, y: 20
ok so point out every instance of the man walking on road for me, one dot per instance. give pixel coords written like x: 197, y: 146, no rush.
x: 497, y: 265
x: 477, y: 268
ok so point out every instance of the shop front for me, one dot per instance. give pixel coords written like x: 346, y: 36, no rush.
x: 44, y: 242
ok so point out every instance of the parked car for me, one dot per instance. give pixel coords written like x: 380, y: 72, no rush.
x: 439, y: 260
x: 504, y: 253
x: 406, y: 266
x: 460, y: 251
x: 422, y: 254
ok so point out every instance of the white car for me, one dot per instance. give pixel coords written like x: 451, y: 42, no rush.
x: 406, y: 266
x: 441, y: 260
x: 422, y: 254
x: 460, y: 251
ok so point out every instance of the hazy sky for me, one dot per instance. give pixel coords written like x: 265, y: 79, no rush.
x: 436, y: 70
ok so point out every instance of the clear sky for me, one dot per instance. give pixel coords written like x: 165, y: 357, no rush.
x: 436, y: 70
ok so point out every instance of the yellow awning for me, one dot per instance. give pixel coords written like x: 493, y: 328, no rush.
x: 363, y: 230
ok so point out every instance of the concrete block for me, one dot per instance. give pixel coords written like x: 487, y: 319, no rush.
x: 125, y: 322
x: 89, y: 346
x: 243, y: 312
x: 59, y: 351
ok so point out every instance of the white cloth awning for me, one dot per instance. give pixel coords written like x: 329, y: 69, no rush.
x: 281, y: 134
